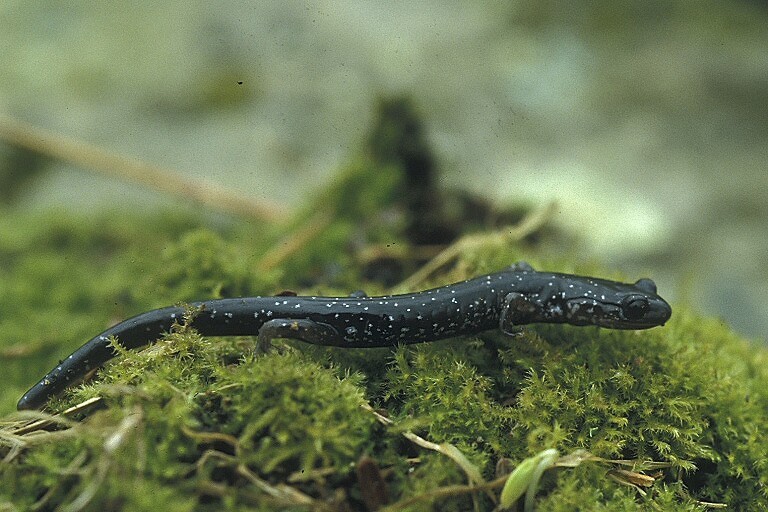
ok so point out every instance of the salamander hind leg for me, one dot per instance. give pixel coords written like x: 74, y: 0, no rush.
x: 302, y: 329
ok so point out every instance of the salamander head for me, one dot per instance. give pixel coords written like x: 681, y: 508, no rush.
x: 542, y: 297
x: 615, y: 305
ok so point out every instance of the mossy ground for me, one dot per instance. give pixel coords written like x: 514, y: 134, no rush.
x: 205, y: 424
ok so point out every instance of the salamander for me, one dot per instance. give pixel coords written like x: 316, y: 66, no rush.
x: 504, y: 300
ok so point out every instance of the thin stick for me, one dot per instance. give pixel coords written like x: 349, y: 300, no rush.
x: 90, y: 156
x: 525, y: 227
x: 294, y: 241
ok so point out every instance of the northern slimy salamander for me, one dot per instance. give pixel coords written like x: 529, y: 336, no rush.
x: 515, y: 296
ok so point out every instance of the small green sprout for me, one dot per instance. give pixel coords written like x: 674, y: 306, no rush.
x: 525, y: 478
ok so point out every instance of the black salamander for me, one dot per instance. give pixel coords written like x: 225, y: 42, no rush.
x: 504, y: 300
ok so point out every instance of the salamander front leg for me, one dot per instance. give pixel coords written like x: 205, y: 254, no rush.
x: 302, y: 329
x: 516, y: 311
x: 521, y: 266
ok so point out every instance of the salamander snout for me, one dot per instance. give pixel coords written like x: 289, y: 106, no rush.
x: 641, y: 311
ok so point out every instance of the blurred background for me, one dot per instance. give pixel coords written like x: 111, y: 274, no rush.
x: 645, y: 120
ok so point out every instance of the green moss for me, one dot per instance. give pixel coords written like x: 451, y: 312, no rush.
x: 361, y: 202
x: 193, y: 423
x: 451, y: 397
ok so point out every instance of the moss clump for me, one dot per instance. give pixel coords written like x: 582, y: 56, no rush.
x: 204, y: 423
x: 193, y: 423
x: 685, y: 394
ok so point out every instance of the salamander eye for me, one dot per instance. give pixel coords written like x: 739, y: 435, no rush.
x: 635, y: 307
